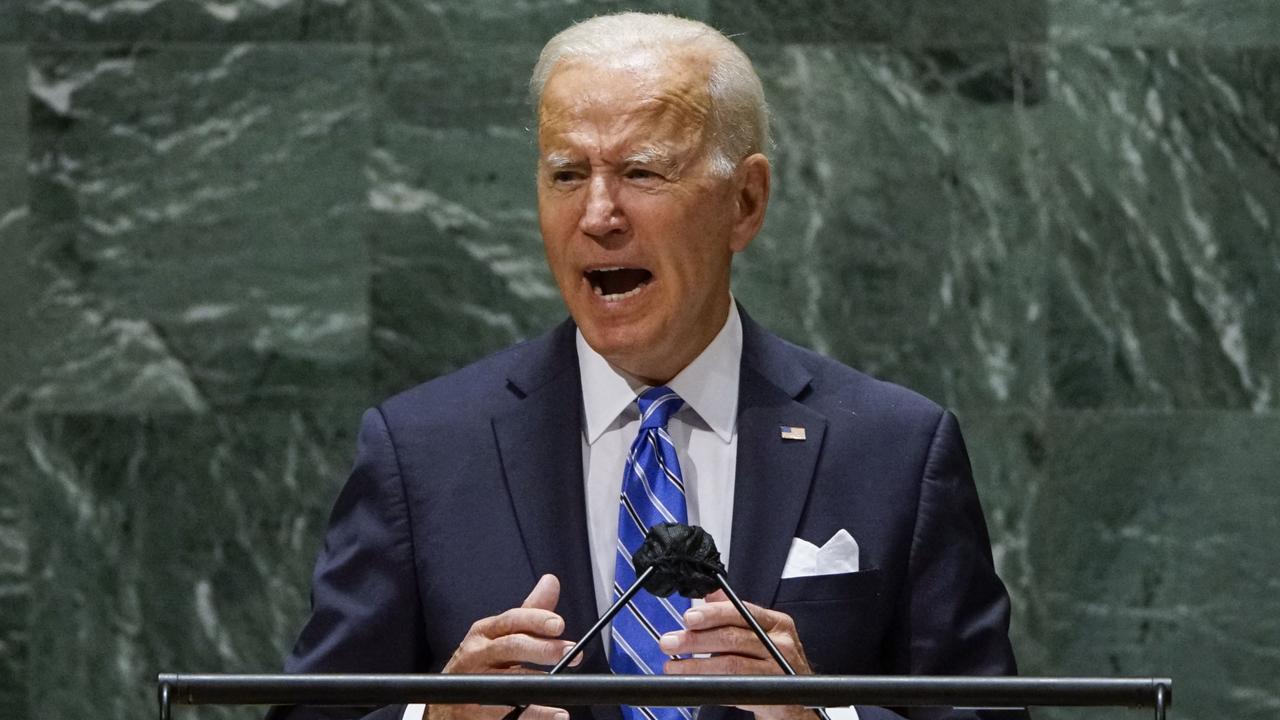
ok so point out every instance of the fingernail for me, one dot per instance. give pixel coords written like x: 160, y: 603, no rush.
x: 567, y: 648
x: 561, y: 715
x: 693, y: 617
x: 669, y: 642
x: 552, y: 626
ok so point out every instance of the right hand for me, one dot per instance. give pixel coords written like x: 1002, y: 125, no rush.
x: 503, y: 644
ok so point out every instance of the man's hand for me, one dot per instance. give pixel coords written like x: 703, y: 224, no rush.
x: 717, y: 628
x: 503, y: 644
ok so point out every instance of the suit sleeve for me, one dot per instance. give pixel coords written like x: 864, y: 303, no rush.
x: 959, y: 611
x: 956, y: 617
x: 365, y: 610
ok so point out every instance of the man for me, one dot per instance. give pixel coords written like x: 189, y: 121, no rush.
x: 505, y: 476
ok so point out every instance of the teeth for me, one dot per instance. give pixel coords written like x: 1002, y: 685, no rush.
x: 616, y: 297
x: 621, y: 296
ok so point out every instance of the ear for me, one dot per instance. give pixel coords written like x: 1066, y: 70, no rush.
x: 752, y: 198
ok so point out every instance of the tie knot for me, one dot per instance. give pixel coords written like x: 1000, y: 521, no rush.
x: 657, y: 405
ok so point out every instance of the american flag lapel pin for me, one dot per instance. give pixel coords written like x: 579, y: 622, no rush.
x: 791, y: 432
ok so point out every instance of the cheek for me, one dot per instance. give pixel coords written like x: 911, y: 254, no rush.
x: 555, y: 211
x: 557, y: 259
x: 555, y: 232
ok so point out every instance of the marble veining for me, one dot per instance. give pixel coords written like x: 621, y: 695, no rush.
x: 190, y: 20
x: 485, y: 21
x: 1165, y: 274
x: 1230, y: 23
x: 15, y: 574
x: 196, y: 250
x: 885, y: 157
x: 17, y: 282
x: 230, y: 225
x: 913, y: 23
x: 171, y: 543
x: 1154, y: 532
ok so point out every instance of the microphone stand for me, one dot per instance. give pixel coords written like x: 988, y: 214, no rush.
x: 591, y: 634
x: 761, y: 634
x: 659, y: 538
x: 604, y: 620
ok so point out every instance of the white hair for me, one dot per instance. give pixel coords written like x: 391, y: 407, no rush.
x: 739, y: 121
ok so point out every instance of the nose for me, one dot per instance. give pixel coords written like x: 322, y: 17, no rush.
x: 602, y: 215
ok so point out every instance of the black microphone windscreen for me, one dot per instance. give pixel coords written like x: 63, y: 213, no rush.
x: 684, y: 560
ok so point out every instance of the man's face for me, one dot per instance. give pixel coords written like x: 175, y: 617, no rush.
x: 638, y: 231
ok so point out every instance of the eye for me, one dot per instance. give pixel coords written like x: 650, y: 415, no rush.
x: 561, y: 177
x: 639, y: 173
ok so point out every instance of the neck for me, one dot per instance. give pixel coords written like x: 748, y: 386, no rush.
x: 661, y: 370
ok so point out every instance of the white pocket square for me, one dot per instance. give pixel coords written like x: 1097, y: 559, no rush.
x: 837, y: 555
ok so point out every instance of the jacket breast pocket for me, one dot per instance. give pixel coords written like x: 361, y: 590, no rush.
x: 839, y: 618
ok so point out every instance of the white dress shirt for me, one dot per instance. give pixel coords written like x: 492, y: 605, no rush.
x: 704, y: 431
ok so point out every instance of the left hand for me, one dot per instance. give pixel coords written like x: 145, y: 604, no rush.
x: 717, y: 628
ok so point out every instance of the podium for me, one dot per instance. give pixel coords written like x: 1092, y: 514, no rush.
x: 572, y: 690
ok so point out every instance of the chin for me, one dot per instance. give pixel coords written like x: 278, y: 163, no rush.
x: 613, y: 346
x: 621, y: 346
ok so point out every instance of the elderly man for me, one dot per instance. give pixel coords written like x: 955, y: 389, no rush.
x: 540, y: 467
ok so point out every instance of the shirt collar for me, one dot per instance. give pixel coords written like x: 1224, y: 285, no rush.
x: 708, y: 385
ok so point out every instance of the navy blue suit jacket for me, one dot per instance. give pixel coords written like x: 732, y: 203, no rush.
x: 468, y: 488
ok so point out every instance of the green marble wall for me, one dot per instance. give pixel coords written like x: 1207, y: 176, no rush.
x: 229, y: 225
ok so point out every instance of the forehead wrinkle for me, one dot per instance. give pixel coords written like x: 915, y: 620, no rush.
x: 664, y: 92
x: 688, y: 104
x: 632, y: 121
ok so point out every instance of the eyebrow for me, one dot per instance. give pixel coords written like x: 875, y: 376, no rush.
x: 645, y: 156
x: 650, y: 156
x: 558, y: 160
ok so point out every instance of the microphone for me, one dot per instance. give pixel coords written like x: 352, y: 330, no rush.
x: 684, y: 559
x: 673, y: 558
x: 676, y: 558
x: 681, y: 558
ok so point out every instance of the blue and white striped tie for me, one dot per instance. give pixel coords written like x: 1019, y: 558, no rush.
x: 652, y: 493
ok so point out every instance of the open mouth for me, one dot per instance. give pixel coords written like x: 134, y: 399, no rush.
x: 618, y: 283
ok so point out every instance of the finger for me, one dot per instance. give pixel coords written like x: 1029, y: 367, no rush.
x: 577, y: 659
x: 542, y: 712
x: 720, y: 614
x: 721, y: 665
x: 532, y: 621
x: 732, y: 640
x: 545, y: 594
x: 520, y: 648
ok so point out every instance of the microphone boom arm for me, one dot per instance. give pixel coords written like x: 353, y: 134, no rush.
x: 604, y: 620
x: 590, y: 635
x: 686, y: 560
x: 761, y: 634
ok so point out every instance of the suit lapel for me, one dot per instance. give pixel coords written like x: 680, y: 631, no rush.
x: 540, y: 444
x: 773, y: 473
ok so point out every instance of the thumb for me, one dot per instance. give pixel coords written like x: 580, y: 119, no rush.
x: 544, y: 595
